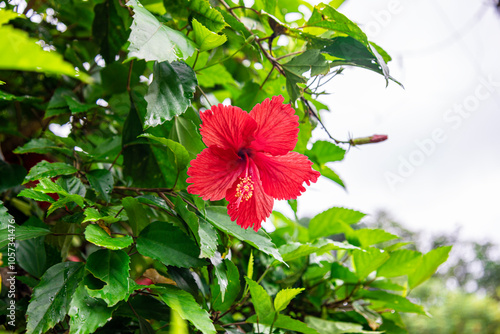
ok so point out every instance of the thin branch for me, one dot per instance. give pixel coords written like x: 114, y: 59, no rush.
x: 267, y: 77
x: 290, y: 54
x: 152, y: 190
x: 129, y: 75
x: 206, y: 97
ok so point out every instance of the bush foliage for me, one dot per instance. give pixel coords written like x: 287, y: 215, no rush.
x: 108, y: 239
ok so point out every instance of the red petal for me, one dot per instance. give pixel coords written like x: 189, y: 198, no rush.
x: 227, y: 127
x: 212, y: 172
x: 283, y: 176
x: 256, y: 209
x: 277, y: 126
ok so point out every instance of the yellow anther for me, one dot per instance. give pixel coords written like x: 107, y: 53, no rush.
x: 244, y: 189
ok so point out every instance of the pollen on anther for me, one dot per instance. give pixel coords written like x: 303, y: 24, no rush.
x: 244, y: 189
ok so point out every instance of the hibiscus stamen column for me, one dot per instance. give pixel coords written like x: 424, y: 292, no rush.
x: 244, y: 189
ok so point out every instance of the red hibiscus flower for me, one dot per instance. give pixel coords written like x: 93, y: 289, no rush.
x: 248, y: 160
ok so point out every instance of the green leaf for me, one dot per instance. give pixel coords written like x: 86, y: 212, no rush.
x: 206, y: 15
x: 401, y: 262
x: 186, y: 132
x: 87, y: 313
x: 208, y: 238
x: 292, y: 80
x: 63, y: 201
x: 392, y: 301
x: 206, y: 39
x: 330, y: 174
x: 12, y: 175
x: 329, y: 18
x: 311, y: 60
x: 22, y: 53
x: 214, y: 75
x: 430, y: 262
x: 92, y: 215
x: 181, y: 155
x: 285, y: 322
x: 47, y: 186
x: 366, y: 237
x: 333, y: 221
x: 168, y: 244
x: 45, y: 169
x: 109, y: 30
x: 5, y: 217
x: 261, y: 301
x: 220, y: 303
x: 250, y: 266
x: 295, y: 250
x: 170, y: 93
x: 260, y: 240
x: 110, y: 267
x: 51, y: 297
x: 137, y: 217
x: 343, y: 273
x: 366, y: 261
x: 99, y: 237
x: 324, y: 151
x: 184, y: 304
x: 335, y: 327
x: 37, y: 196
x: 284, y: 297
x: 101, y: 180
x: 23, y: 232
x: 76, y: 106
x: 152, y: 40
x: 7, y: 15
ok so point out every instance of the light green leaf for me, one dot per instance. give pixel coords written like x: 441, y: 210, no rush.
x: 366, y: 261
x: 294, y: 250
x: 366, y: 237
x: 152, y: 40
x: 7, y: 15
x: 184, y: 304
x: 37, y: 196
x: 137, y: 217
x: 260, y: 240
x: 63, y: 201
x: 250, y: 266
x: 214, y: 75
x: 181, y: 155
x: 110, y: 267
x: 292, y: 80
x: 206, y: 39
x: 311, y: 60
x: 22, y: 53
x: 428, y: 266
x: 87, y: 313
x: 47, y: 186
x: 333, y: 221
x: 99, y: 237
x: 330, y: 174
x: 92, y: 215
x: 170, y: 93
x: 101, y: 180
x: 186, y: 132
x: 261, y: 301
x: 52, y: 296
x: 45, y: 169
x: 401, y: 262
x: 284, y: 297
x: 324, y: 151
x: 168, y: 244
x: 206, y: 15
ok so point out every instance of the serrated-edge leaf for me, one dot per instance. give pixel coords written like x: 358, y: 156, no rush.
x: 284, y: 297
x: 428, y: 266
x: 99, y: 237
x: 36, y: 195
x: 45, y: 169
x: 57, y: 285
x: 206, y: 39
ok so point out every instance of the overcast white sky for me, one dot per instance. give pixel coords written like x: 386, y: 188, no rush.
x: 443, y: 52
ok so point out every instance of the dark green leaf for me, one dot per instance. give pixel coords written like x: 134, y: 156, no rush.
x: 232, y: 288
x: 167, y: 243
x: 292, y: 80
x: 170, y: 93
x: 5, y: 217
x: 286, y: 322
x: 343, y: 273
x: 152, y: 40
x: 46, y: 169
x: 22, y: 233
x: 392, y: 301
x: 181, y: 155
x: 52, y: 296
x: 184, y: 304
x: 137, y: 217
x: 64, y: 201
x: 111, y: 268
x: 311, y: 60
x: 87, y: 313
x: 186, y: 132
x: 42, y: 146
x: 260, y: 240
x: 335, y: 327
x: 101, y: 180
